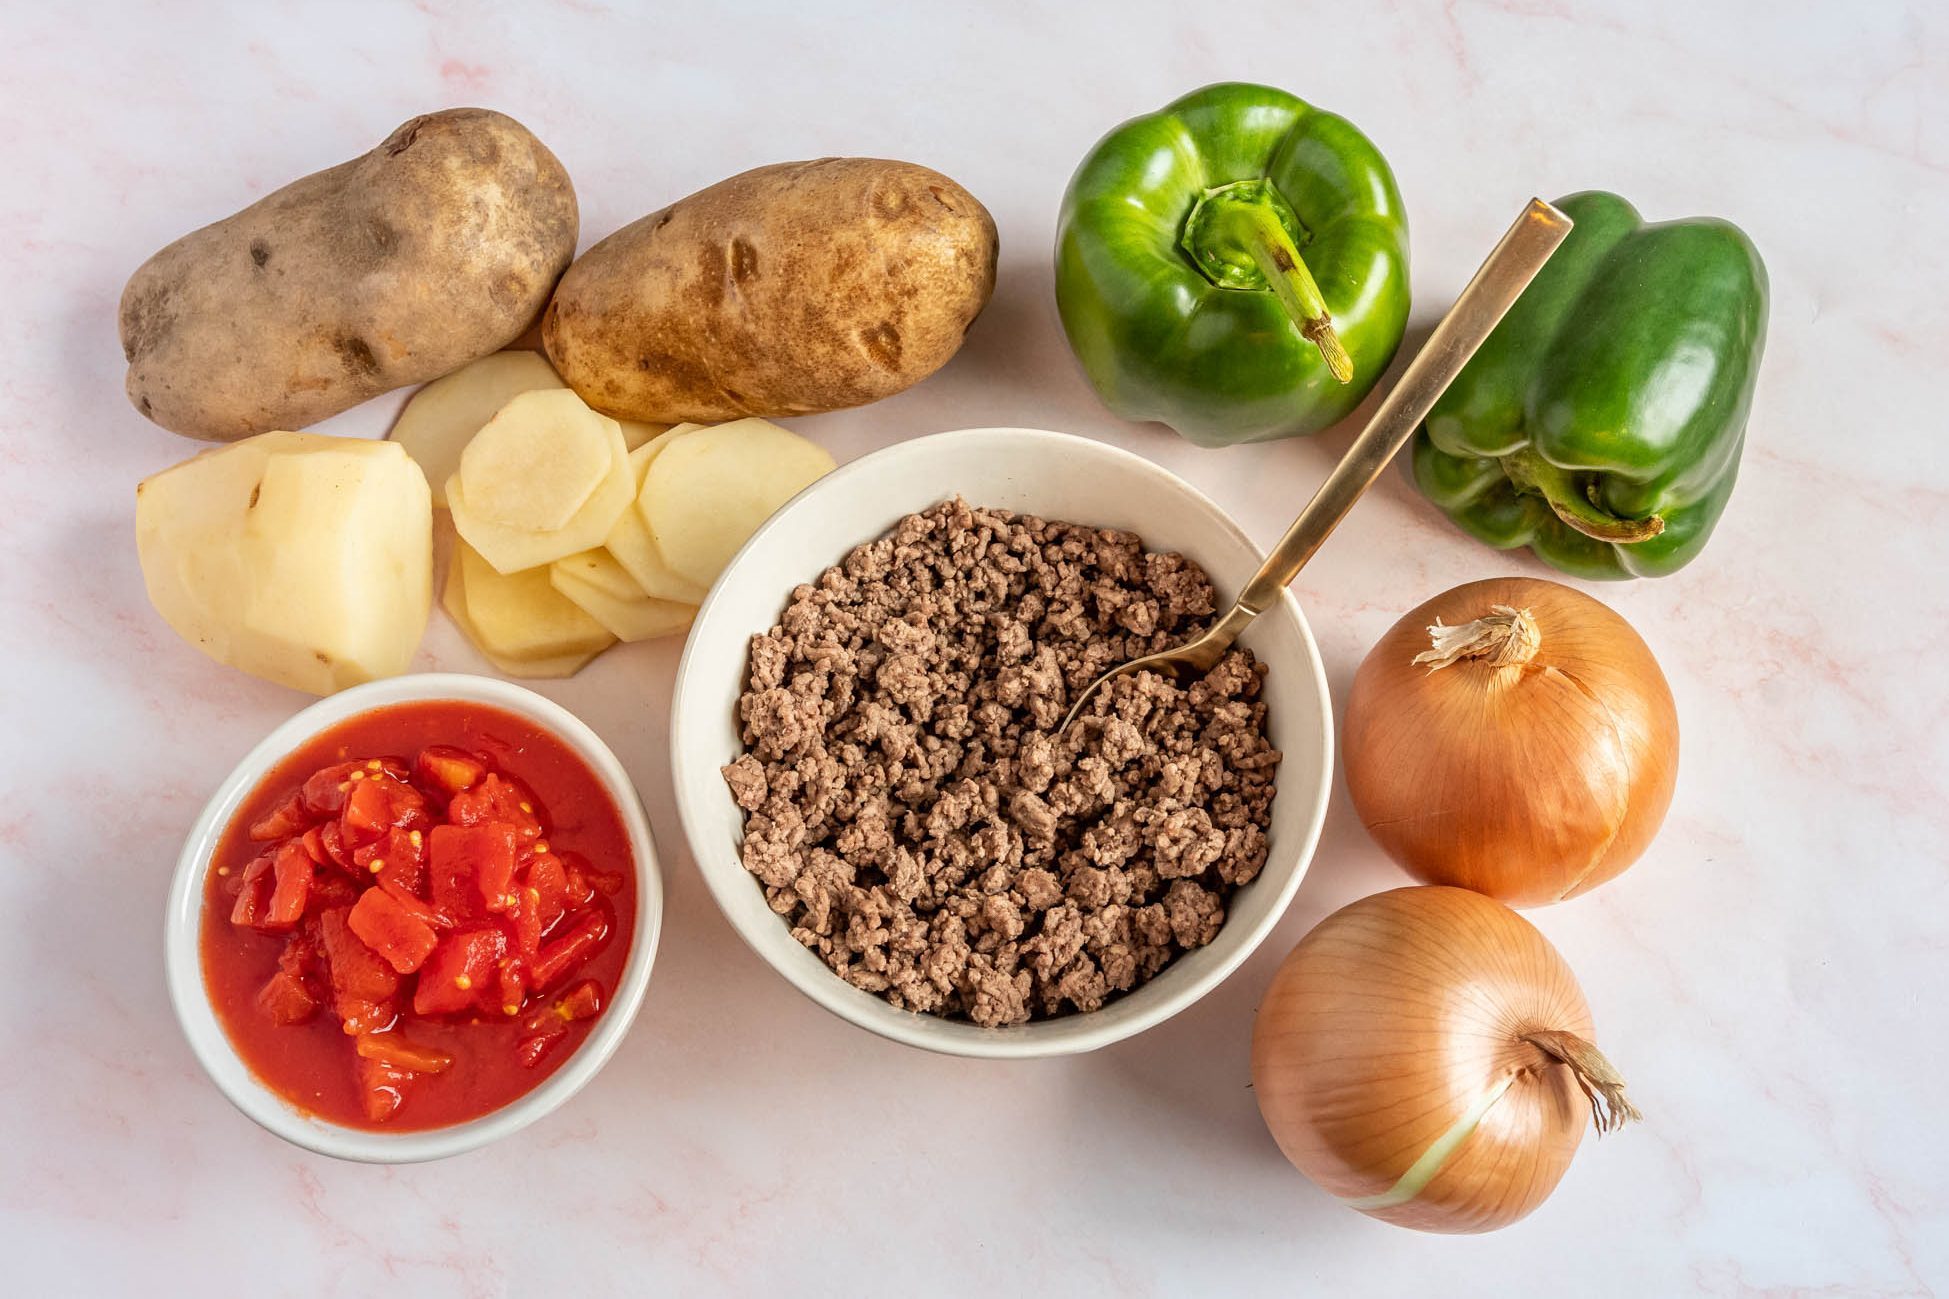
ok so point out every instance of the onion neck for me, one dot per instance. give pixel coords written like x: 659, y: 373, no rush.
x: 1505, y: 637
x: 1596, y: 1077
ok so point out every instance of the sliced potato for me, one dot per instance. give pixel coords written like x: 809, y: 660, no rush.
x: 520, y: 617
x: 598, y: 568
x: 510, y: 550
x: 454, y: 600
x: 534, y: 464
x: 301, y: 558
x: 707, y: 491
x: 632, y: 546
x: 443, y: 417
x: 630, y: 618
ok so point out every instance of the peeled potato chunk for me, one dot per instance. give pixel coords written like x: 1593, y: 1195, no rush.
x: 630, y: 618
x: 443, y: 417
x: 707, y: 491
x: 632, y: 546
x: 534, y: 464
x: 300, y: 558
x: 510, y: 550
x: 455, y: 603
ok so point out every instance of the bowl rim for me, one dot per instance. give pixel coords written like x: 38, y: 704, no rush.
x: 182, y: 927
x: 1070, y: 1034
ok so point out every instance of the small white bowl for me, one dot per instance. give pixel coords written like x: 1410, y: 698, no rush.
x: 1054, y: 476
x: 183, y: 924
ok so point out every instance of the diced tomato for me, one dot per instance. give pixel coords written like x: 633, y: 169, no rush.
x: 458, y: 971
x: 499, y: 798
x: 367, y: 812
x: 330, y: 888
x: 314, y: 842
x: 524, y: 924
x: 287, y: 1000
x: 402, y: 938
x: 291, y: 869
x: 447, y: 769
x: 281, y: 822
x: 533, y: 1049
x: 566, y: 954
x: 336, y: 850
x: 382, y: 1088
x: 550, y: 885
x: 253, y: 893
x: 396, y: 1051
x: 577, y: 891
x: 363, y: 985
x: 324, y: 792
x: 583, y: 1001
x: 401, y: 854
x: 414, y: 906
x: 301, y: 958
x: 472, y: 868
x: 511, y: 986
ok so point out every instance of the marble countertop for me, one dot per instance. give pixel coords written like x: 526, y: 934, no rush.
x: 1770, y: 977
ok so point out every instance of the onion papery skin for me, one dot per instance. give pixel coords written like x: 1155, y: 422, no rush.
x: 1530, y: 784
x: 1391, y: 1020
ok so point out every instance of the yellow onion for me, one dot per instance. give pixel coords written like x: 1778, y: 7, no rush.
x: 1514, y: 737
x: 1425, y: 1055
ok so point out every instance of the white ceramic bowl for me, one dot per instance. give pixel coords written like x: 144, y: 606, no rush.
x: 1055, y: 476
x: 185, y: 917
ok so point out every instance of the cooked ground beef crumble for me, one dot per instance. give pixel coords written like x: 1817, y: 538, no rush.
x: 912, y: 814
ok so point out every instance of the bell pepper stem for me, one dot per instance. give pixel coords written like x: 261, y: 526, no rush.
x: 1256, y: 227
x: 1576, y: 507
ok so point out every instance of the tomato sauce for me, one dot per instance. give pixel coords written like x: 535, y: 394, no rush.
x: 418, y: 915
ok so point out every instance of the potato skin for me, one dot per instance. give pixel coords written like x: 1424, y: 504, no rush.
x: 788, y: 290
x: 439, y: 246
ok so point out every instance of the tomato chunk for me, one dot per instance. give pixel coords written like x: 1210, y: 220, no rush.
x: 471, y: 868
x: 368, y: 811
x: 281, y: 822
x: 363, y: 985
x: 534, y: 1048
x: 382, y: 1087
x: 550, y: 885
x: 396, y: 1051
x: 447, y: 769
x: 499, y: 798
x: 253, y: 893
x: 400, y: 855
x: 291, y: 869
x: 566, y: 954
x: 287, y: 1000
x: 324, y: 792
x: 388, y: 928
x: 459, y: 971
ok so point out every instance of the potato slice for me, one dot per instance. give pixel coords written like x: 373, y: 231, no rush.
x: 520, y: 617
x: 629, y: 618
x: 599, y: 569
x: 534, y: 464
x: 632, y: 546
x: 455, y: 602
x: 706, y: 492
x: 300, y: 558
x: 443, y: 417
x: 511, y: 550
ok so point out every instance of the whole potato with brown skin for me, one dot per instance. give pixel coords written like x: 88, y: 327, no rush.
x: 439, y: 246
x: 789, y: 290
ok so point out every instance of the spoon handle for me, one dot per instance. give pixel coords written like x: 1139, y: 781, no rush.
x: 1495, y: 288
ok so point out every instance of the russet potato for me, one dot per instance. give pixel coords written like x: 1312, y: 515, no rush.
x: 439, y: 246
x: 788, y: 290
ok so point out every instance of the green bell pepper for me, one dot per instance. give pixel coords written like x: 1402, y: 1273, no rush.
x: 1235, y: 266
x: 1601, y: 423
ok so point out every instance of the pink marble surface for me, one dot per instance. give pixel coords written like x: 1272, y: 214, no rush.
x: 1770, y: 976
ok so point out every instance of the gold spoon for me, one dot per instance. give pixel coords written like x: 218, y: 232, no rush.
x: 1496, y: 286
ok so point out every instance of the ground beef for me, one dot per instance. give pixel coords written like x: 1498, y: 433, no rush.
x: 912, y: 814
